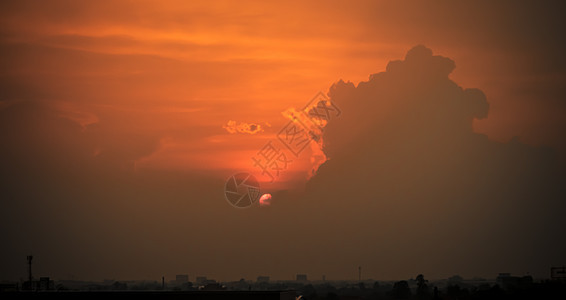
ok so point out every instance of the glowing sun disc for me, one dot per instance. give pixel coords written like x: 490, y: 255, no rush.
x: 265, y: 200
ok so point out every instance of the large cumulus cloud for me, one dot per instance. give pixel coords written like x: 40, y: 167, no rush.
x: 410, y: 186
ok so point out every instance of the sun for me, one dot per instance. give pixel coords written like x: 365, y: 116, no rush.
x: 265, y: 200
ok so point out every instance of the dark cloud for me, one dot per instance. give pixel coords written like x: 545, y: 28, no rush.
x: 410, y: 186
x: 70, y: 192
x: 510, y: 48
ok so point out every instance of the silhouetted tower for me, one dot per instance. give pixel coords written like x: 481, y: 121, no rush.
x: 30, y: 257
x: 360, y: 273
x: 162, y: 282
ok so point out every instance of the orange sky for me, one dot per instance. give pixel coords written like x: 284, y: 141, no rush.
x: 173, y: 69
x: 179, y: 71
x: 151, y: 85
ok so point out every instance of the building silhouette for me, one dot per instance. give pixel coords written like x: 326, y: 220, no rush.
x: 181, y: 279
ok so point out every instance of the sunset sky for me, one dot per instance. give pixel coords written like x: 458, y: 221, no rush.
x: 120, y: 122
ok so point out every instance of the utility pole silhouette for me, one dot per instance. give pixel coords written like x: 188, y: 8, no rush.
x: 30, y: 257
x: 360, y: 273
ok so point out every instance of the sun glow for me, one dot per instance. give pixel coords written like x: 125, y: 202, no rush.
x: 265, y: 200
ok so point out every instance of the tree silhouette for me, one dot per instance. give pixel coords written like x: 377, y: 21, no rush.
x: 376, y: 285
x: 401, y: 290
x: 423, y: 291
